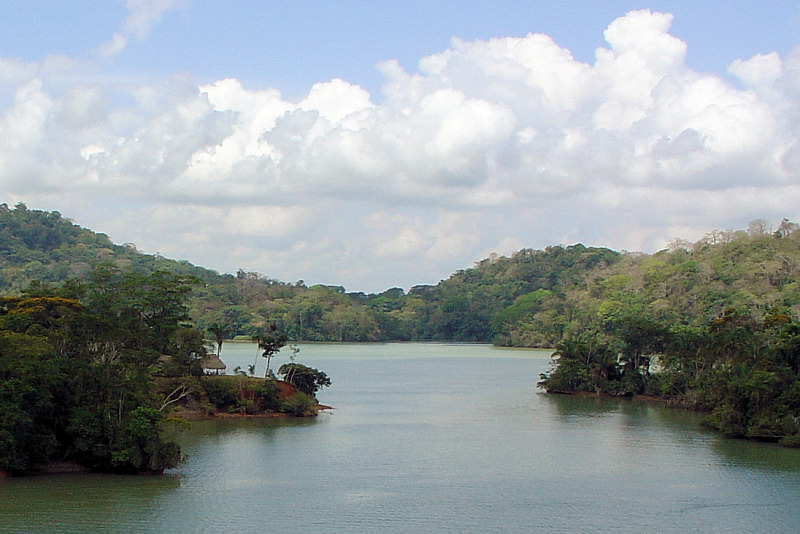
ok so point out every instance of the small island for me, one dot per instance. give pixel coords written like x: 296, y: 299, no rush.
x: 92, y: 371
x: 241, y: 395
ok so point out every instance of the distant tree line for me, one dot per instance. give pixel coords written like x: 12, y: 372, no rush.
x: 709, y: 324
x: 534, y: 298
x: 45, y: 248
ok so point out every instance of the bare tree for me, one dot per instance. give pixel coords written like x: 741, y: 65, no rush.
x: 759, y: 227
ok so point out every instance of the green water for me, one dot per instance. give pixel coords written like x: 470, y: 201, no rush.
x: 434, y: 438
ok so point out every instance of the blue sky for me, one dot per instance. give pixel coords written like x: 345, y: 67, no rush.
x: 291, y: 45
x: 378, y: 144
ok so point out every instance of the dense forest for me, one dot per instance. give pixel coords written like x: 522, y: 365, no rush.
x: 531, y: 299
x: 97, y: 349
x: 45, y: 248
x: 91, y: 370
x: 77, y: 372
x: 710, y: 325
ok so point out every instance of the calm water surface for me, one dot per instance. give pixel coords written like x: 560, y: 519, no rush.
x: 434, y: 438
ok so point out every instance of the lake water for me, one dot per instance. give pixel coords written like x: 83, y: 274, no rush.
x: 434, y: 438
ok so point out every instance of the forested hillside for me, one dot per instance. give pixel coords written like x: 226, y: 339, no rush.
x: 688, y: 284
x: 45, y: 248
x: 531, y: 299
x: 78, y: 368
x: 711, y: 325
x: 92, y: 364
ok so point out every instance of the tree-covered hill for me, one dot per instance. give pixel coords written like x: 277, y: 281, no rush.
x: 711, y: 325
x: 92, y: 364
x: 687, y: 284
x: 532, y: 298
x: 46, y: 248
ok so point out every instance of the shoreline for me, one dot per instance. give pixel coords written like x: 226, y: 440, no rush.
x: 190, y: 416
x: 73, y: 468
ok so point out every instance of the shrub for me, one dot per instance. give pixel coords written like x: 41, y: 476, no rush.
x: 299, y: 404
x: 221, y: 393
x: 268, y: 397
x: 306, y: 379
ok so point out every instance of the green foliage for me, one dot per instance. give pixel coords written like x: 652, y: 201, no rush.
x: 299, y: 404
x: 221, y: 392
x: 187, y: 350
x: 532, y: 298
x: 268, y: 396
x: 584, y: 363
x: 306, y: 379
x: 139, y: 448
x: 77, y: 375
x: 219, y: 332
x: 469, y: 306
x: 47, y: 248
x: 270, y: 343
x: 741, y: 371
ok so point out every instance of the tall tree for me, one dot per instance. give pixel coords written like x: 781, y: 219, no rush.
x: 270, y: 343
x: 218, y: 333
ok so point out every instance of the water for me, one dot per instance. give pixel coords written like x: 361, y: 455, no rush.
x: 434, y: 438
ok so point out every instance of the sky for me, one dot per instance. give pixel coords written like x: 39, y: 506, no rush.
x: 388, y: 144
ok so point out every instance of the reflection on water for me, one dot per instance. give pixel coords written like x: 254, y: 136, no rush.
x: 760, y: 456
x: 82, y: 503
x: 681, y: 425
x: 573, y: 408
x: 218, y: 430
x: 435, y: 438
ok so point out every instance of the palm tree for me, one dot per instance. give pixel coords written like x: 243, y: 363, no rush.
x: 218, y: 332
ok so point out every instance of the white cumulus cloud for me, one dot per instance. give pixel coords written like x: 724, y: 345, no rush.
x: 489, y: 144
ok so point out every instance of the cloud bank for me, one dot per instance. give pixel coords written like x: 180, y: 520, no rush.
x: 490, y: 146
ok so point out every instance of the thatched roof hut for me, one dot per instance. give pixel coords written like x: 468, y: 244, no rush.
x: 212, y: 365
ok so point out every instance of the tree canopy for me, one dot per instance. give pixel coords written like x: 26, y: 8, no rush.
x: 77, y: 371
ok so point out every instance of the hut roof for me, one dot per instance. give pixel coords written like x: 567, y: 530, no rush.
x: 213, y: 362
